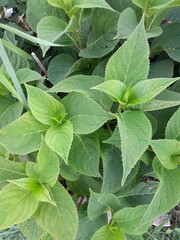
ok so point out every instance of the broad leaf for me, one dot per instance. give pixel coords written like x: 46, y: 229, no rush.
x: 47, y: 168
x: 73, y: 7
x: 168, y: 152
x: 36, y: 10
x: 146, y: 90
x: 170, y: 41
x: 130, y: 63
x: 129, y: 218
x: 114, y: 88
x: 59, y: 139
x: 85, y: 161
x: 85, y: 114
x: 163, y: 201
x: 64, y: 215
x: 67, y: 172
x: 27, y: 75
x: 31, y: 230
x: 38, y: 190
x: 60, y: 67
x: 17, y: 205
x: 86, y: 228
x: 10, y: 170
x: 135, y: 131
x: 166, y: 99
x: 27, y: 36
x: 9, y: 111
x: 141, y: 3
x: 101, y: 203
x: 22, y: 136
x: 173, y: 126
x: 50, y: 28
x: 126, y: 24
x: 163, y: 69
x: 101, y: 37
x: 114, y: 139
x: 112, y: 170
x: 83, y: 84
x: 44, y: 107
x: 108, y: 233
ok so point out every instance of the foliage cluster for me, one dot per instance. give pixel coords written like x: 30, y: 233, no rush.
x: 90, y: 147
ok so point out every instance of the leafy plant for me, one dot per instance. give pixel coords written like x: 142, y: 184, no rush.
x: 98, y: 133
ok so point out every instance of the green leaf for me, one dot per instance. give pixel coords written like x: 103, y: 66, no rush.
x: 85, y: 161
x: 170, y: 41
x: 60, y: 67
x: 114, y: 139
x: 101, y: 203
x: 27, y: 75
x: 38, y: 190
x: 83, y: 84
x: 31, y: 230
x: 27, y: 36
x: 101, y: 37
x: 166, y: 99
x: 36, y: 10
x: 79, y: 4
x: 47, y: 108
x: 173, y: 126
x: 168, y: 152
x: 126, y: 24
x: 50, y: 28
x: 148, y: 89
x: 154, y: 32
x: 22, y: 136
x: 163, y: 200
x: 83, y: 184
x: 67, y: 172
x: 47, y: 168
x: 59, y: 138
x: 163, y: 69
x: 64, y: 215
x: 114, y: 88
x: 130, y: 63
x: 9, y: 111
x: 135, y: 132
x: 17, y: 205
x: 112, y: 170
x: 10, y: 170
x: 159, y: 4
x: 108, y: 233
x: 129, y: 218
x: 141, y: 3
x: 86, y: 228
x: 85, y: 114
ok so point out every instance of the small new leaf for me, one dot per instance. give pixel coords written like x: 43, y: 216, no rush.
x: 167, y: 151
x: 43, y: 106
x: 114, y: 89
x: 38, y: 190
x: 59, y: 139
